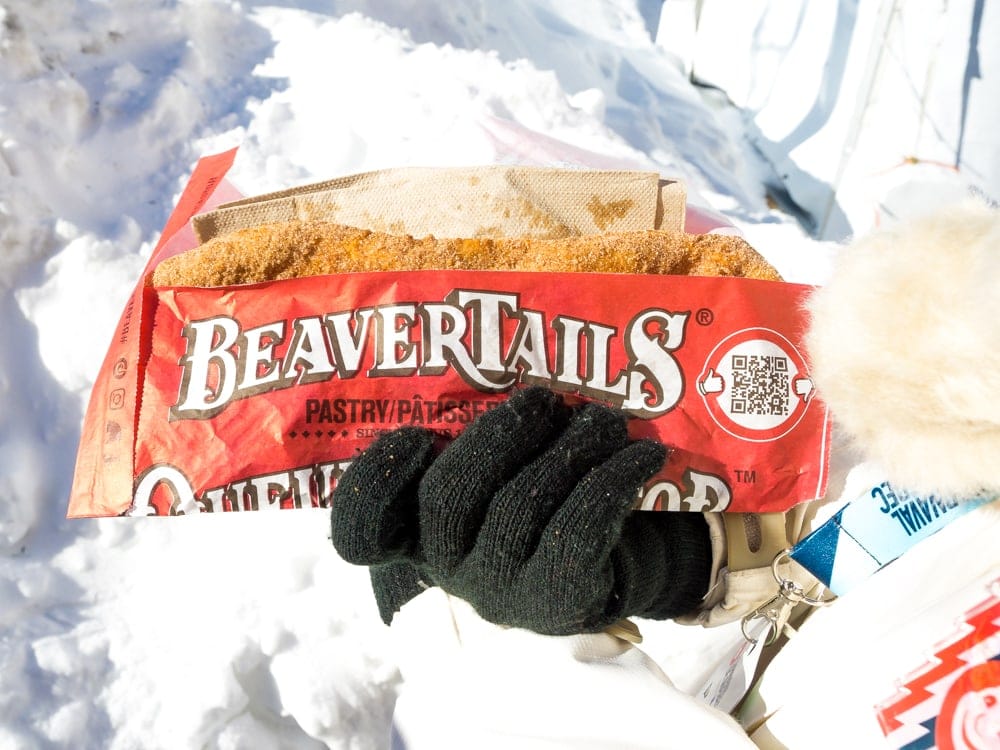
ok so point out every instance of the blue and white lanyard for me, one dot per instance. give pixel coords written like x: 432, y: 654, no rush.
x: 859, y: 540
x: 873, y: 530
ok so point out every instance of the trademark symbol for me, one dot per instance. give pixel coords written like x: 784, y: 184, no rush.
x: 704, y: 316
x: 746, y: 476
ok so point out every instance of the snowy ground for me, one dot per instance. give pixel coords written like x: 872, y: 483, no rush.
x: 236, y: 631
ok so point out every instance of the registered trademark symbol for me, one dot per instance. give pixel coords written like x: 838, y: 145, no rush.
x: 704, y: 316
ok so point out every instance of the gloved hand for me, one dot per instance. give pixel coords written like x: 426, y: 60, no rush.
x: 527, y: 516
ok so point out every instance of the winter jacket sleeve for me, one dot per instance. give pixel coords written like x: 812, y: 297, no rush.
x: 744, y: 546
x: 470, y: 683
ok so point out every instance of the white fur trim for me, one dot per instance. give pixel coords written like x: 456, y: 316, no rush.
x: 904, y: 343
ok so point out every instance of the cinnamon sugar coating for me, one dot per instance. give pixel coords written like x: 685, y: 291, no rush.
x: 293, y: 249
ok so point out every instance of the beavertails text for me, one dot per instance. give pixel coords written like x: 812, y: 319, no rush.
x: 486, y: 337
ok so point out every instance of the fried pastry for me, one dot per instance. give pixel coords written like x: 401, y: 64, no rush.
x: 293, y: 249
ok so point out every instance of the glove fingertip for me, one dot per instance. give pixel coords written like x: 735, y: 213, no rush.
x: 594, y: 513
x: 648, y: 457
x: 536, y: 405
x: 394, y: 584
x: 373, y: 510
x: 532, y: 395
x: 393, y: 460
x: 605, y: 425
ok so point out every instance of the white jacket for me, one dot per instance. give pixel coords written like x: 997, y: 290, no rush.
x: 470, y: 684
x: 822, y: 688
x: 905, y: 348
x: 904, y: 343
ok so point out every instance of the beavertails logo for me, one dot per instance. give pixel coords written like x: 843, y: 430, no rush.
x: 224, y: 362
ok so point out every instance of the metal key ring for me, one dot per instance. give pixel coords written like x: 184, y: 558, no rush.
x: 772, y: 633
x: 789, y: 589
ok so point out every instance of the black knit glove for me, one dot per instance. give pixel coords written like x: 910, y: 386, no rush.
x: 527, y: 516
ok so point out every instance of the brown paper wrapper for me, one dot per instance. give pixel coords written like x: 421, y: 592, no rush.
x: 491, y: 201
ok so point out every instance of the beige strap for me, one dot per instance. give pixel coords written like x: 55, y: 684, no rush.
x: 625, y: 630
x: 490, y: 201
x: 753, y: 540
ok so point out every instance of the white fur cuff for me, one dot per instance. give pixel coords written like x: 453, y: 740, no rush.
x: 905, y: 348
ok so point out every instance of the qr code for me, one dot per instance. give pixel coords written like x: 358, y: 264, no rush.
x: 760, y: 385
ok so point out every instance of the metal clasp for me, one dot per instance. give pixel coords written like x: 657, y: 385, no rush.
x: 777, y: 609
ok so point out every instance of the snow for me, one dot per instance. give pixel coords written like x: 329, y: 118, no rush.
x: 244, y: 631
x: 852, y: 101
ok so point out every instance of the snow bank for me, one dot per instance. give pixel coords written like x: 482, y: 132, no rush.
x: 247, y: 631
x: 868, y: 112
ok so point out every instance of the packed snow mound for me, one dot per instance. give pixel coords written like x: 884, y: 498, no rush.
x: 246, y: 630
x: 249, y: 632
